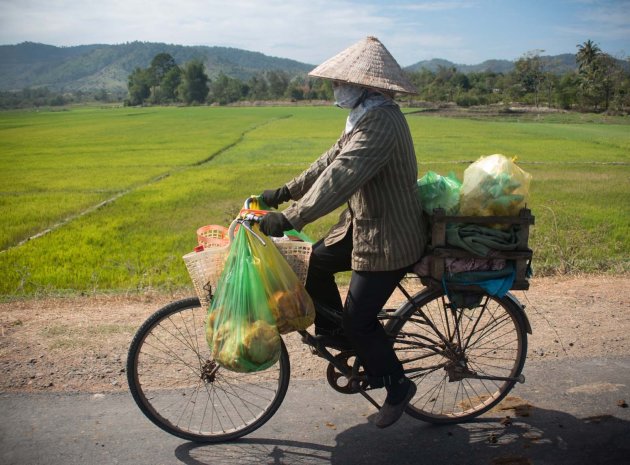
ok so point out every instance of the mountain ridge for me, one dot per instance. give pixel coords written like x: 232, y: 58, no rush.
x: 97, y: 66
x: 557, y: 64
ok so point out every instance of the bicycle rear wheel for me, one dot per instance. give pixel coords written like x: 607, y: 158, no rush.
x: 463, y: 360
x: 181, y: 389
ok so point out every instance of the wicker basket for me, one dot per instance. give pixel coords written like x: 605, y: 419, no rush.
x: 213, y: 236
x: 297, y: 255
x: 205, y: 267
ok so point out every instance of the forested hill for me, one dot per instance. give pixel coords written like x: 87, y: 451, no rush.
x: 96, y: 67
x: 90, y: 67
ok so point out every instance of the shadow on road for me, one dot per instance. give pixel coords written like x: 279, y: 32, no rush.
x: 523, y: 437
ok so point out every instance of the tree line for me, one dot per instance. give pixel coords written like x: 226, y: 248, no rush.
x: 36, y: 97
x: 599, y: 83
x: 166, y: 82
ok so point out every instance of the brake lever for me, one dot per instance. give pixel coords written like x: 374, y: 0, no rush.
x: 247, y: 225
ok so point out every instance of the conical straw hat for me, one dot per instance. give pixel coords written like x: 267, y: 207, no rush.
x: 367, y: 63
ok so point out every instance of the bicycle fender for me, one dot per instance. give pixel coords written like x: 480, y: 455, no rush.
x: 521, y: 309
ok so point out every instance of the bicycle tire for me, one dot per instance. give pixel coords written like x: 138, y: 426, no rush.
x: 493, y: 335
x: 171, y: 378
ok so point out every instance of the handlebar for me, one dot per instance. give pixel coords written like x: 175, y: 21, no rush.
x: 247, y: 224
x: 254, y: 209
x: 249, y: 214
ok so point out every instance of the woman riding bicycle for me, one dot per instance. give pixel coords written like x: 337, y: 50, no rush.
x: 371, y: 167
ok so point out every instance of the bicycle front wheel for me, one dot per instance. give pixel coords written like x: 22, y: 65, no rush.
x: 464, y: 358
x: 181, y: 389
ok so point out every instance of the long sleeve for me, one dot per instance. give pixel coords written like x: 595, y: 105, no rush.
x: 342, y: 171
x: 303, y: 182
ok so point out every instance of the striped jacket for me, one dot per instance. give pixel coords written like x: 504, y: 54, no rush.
x: 373, y: 169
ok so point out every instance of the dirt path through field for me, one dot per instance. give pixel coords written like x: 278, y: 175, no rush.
x: 80, y: 344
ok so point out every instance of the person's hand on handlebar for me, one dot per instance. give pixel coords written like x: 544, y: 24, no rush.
x: 275, y: 224
x: 274, y: 197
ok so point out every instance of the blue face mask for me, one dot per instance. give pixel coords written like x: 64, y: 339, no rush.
x: 347, y: 96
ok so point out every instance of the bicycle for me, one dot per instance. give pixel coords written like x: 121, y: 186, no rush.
x: 464, y: 357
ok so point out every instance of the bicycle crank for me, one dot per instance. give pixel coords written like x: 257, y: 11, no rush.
x: 340, y: 376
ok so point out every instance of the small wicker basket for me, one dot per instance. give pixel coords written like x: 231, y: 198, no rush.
x: 205, y: 267
x: 213, y: 236
x: 297, y: 255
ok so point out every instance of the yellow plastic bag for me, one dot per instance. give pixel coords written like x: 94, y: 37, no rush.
x: 494, y: 186
x: 290, y: 304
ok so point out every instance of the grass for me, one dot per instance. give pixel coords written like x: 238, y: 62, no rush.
x: 66, y: 161
x: 171, y: 170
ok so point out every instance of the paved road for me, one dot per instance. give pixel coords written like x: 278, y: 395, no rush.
x: 575, y: 419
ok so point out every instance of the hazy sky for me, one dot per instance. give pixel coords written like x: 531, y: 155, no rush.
x: 465, y: 32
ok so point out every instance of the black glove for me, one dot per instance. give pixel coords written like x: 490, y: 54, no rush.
x: 275, y: 224
x: 273, y: 198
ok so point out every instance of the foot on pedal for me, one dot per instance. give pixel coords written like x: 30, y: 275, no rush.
x: 333, y: 338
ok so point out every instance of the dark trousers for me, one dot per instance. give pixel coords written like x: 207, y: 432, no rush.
x: 368, y: 293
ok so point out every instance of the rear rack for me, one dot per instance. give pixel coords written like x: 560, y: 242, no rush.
x: 521, y: 256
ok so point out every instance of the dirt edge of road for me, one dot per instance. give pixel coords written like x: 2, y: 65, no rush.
x: 80, y: 343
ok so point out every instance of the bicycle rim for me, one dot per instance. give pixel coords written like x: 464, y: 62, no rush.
x: 446, y: 352
x: 179, y: 387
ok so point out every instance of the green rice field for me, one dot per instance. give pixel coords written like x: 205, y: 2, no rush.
x: 111, y: 197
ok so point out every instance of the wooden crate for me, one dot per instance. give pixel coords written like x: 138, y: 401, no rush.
x: 521, y: 256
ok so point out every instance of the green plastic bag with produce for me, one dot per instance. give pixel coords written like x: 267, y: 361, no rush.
x: 240, y: 328
x: 436, y: 191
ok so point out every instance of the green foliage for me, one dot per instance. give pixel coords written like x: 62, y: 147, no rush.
x: 258, y: 87
x: 168, y: 171
x: 161, y: 64
x: 169, y: 85
x: 601, y: 83
x: 225, y: 90
x: 165, y: 82
x: 26, y: 98
x: 530, y: 74
x: 194, y: 83
x: 139, y: 86
x: 278, y: 82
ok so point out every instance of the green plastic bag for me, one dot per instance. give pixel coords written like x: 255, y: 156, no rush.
x: 436, y: 191
x: 240, y: 328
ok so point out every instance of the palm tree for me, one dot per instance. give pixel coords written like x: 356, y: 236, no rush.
x: 586, y: 55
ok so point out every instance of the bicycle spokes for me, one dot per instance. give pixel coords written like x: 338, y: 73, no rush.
x: 461, y: 359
